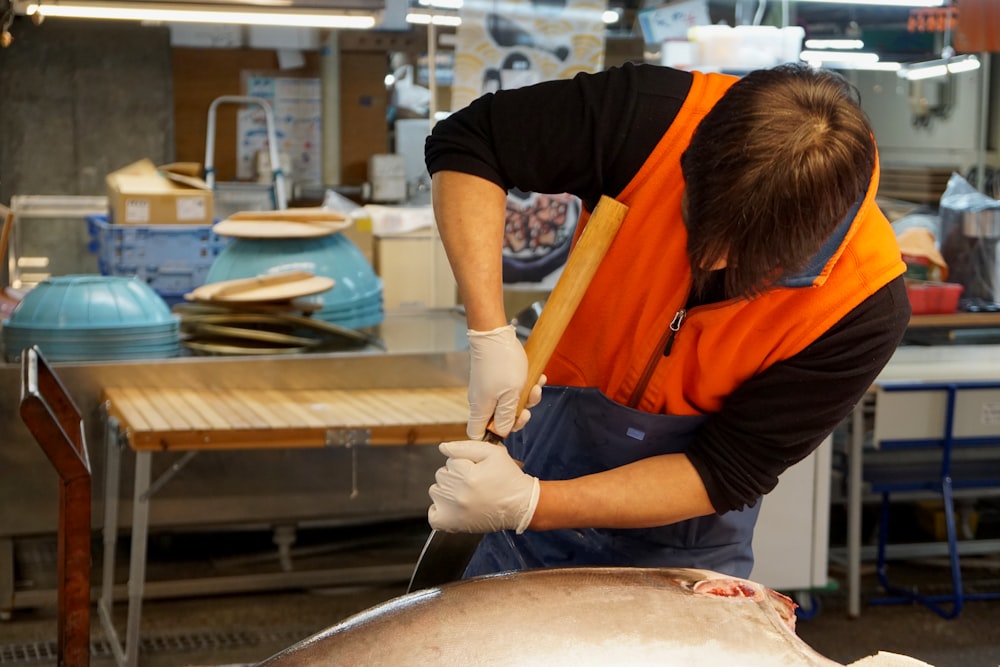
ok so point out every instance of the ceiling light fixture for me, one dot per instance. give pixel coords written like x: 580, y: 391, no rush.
x: 428, y: 18
x: 193, y: 13
x: 855, y: 57
x: 837, y: 44
x: 441, y: 4
x: 886, y: 3
x: 848, y: 60
x: 941, y: 67
x: 450, y: 19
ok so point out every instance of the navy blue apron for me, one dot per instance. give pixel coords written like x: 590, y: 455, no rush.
x: 575, y: 432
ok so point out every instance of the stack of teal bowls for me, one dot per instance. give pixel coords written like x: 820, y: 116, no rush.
x: 90, y: 318
x: 354, y: 301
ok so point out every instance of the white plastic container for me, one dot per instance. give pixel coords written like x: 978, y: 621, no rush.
x: 744, y: 48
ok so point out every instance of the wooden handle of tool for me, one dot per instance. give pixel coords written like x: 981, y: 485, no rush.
x: 580, y: 267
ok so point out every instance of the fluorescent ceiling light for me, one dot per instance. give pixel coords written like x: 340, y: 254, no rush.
x: 839, y: 57
x: 848, y: 60
x: 880, y: 66
x: 963, y: 64
x: 842, y: 44
x: 942, y: 67
x: 425, y: 18
x: 607, y: 16
x: 926, y: 72
x: 442, y: 4
x: 167, y: 13
x: 886, y: 3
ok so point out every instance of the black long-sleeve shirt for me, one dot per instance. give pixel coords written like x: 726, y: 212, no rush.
x: 589, y: 136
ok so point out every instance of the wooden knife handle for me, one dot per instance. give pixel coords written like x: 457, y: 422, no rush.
x: 577, y: 273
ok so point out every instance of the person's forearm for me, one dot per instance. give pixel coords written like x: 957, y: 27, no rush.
x: 652, y: 492
x: 470, y: 215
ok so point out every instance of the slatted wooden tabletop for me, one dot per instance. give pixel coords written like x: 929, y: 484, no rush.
x: 184, y: 419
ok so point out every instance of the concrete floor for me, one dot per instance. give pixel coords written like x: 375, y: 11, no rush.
x: 970, y: 640
x: 241, y: 629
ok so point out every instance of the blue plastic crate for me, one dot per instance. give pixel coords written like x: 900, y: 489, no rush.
x: 172, y: 259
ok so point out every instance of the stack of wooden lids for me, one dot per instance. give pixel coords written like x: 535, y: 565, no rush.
x: 264, y: 314
x: 286, y: 224
x: 304, y: 239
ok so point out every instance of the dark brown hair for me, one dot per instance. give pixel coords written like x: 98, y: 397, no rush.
x: 770, y: 171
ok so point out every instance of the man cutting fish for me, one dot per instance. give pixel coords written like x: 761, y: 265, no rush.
x: 750, y: 298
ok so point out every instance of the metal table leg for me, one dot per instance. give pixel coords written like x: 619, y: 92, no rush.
x: 127, y: 654
x: 137, y: 556
x: 112, y: 483
x: 854, y: 484
x: 6, y: 578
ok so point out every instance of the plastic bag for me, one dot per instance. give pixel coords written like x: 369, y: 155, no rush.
x: 409, y: 96
x: 969, y: 246
x: 959, y: 195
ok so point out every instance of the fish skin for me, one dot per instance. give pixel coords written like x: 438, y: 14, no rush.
x: 578, y: 616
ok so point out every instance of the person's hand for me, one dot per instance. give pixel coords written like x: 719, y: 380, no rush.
x: 481, y: 489
x: 498, y: 367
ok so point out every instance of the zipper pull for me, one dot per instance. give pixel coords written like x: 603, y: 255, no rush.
x: 675, y: 325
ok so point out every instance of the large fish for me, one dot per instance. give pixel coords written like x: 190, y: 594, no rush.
x: 570, y: 616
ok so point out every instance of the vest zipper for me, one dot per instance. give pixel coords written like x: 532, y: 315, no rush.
x: 675, y: 325
x: 666, y: 342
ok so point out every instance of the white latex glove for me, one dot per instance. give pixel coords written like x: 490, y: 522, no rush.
x: 534, y: 398
x: 481, y: 489
x: 498, y: 367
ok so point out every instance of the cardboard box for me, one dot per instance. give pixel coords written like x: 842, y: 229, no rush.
x: 360, y: 233
x: 414, y: 270
x: 930, y: 518
x: 173, y: 194
x: 387, y: 175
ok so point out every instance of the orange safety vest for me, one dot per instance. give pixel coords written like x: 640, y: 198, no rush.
x: 617, y: 337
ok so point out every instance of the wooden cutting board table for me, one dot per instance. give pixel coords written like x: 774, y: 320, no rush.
x: 153, y: 420
x: 173, y: 419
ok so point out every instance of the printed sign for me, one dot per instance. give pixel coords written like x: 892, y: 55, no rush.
x: 531, y: 41
x: 672, y: 21
x: 297, y: 105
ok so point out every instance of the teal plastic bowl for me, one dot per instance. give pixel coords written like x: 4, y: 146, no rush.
x: 89, y: 302
x: 334, y: 256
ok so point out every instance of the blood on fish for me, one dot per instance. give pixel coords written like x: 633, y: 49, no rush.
x: 729, y: 588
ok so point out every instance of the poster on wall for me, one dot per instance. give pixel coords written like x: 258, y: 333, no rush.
x: 506, y: 45
x: 297, y: 106
x: 503, y: 45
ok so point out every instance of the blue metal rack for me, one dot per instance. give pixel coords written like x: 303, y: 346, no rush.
x: 946, y: 418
